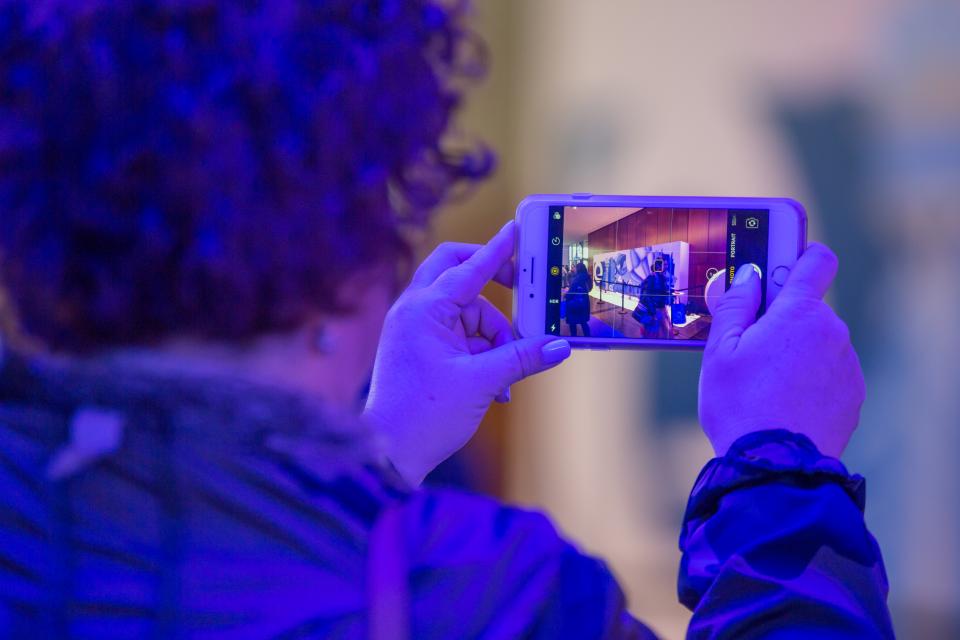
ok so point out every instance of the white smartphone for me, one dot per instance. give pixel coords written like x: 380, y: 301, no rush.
x: 644, y: 271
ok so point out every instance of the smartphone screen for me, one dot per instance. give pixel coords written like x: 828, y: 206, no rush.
x: 646, y: 273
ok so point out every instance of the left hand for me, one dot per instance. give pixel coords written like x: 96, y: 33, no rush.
x: 446, y: 353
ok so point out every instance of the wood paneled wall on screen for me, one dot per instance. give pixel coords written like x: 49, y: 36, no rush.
x: 705, y: 230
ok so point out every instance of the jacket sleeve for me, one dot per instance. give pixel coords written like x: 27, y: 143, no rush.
x: 775, y: 546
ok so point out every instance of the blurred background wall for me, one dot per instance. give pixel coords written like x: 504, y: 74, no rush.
x: 852, y: 107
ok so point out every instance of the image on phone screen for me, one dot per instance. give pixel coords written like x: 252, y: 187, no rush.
x: 646, y: 273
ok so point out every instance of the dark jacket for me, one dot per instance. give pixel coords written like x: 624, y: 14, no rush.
x: 577, y: 300
x: 220, y: 509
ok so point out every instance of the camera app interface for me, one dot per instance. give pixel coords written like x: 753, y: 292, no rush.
x: 648, y: 273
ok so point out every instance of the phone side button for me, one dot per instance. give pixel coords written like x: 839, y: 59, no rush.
x: 780, y: 274
x: 581, y: 195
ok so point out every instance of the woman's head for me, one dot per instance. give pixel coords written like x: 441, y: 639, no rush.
x: 218, y: 169
x: 581, y: 268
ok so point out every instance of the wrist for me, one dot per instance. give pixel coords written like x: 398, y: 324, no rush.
x: 394, y: 452
x: 765, y: 457
x: 723, y: 435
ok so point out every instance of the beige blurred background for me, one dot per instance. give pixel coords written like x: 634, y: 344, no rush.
x: 852, y: 107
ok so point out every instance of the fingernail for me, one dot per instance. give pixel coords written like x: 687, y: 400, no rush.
x: 555, y: 351
x: 744, y: 273
x: 506, y: 394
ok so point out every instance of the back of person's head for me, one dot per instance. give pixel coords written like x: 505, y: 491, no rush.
x: 218, y: 169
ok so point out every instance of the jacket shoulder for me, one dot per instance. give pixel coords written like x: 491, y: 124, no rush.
x: 513, y: 573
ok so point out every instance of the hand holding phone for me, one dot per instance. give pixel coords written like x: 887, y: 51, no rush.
x: 793, y: 368
x: 446, y: 353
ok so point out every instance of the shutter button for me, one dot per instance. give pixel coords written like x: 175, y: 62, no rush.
x: 780, y: 275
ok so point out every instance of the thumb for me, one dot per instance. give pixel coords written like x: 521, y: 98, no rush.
x: 522, y: 358
x: 736, y: 310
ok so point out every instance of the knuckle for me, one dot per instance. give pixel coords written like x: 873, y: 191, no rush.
x: 524, y: 362
x: 715, y: 340
x: 468, y: 271
x: 834, y: 329
x: 819, y: 312
x: 728, y: 303
x: 409, y: 303
x: 398, y: 311
x: 840, y: 330
x: 429, y: 297
x: 443, y: 248
x: 802, y: 308
x: 439, y: 306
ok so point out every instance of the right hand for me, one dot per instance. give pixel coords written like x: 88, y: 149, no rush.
x: 794, y: 368
x: 446, y: 353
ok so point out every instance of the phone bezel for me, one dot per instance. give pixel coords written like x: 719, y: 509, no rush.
x: 788, y: 224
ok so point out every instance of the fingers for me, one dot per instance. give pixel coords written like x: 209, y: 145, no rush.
x: 519, y: 359
x: 477, y: 344
x: 463, y: 282
x: 486, y: 328
x: 452, y: 254
x: 481, y: 318
x: 736, y: 310
x: 812, y: 275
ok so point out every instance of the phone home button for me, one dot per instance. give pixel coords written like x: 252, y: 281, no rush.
x: 780, y: 274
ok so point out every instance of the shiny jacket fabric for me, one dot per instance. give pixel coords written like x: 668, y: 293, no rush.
x: 219, y: 509
x: 775, y: 546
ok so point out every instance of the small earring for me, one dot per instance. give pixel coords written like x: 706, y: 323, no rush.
x: 320, y: 341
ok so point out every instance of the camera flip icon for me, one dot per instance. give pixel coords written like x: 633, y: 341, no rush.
x: 752, y: 223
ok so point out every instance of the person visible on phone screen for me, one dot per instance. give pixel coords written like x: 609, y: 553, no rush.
x: 205, y: 213
x: 655, y: 295
x: 577, y: 300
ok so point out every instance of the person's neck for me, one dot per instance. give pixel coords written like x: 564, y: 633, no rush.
x: 279, y: 361
x: 193, y: 358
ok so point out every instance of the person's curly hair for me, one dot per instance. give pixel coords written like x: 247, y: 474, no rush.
x: 218, y: 168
